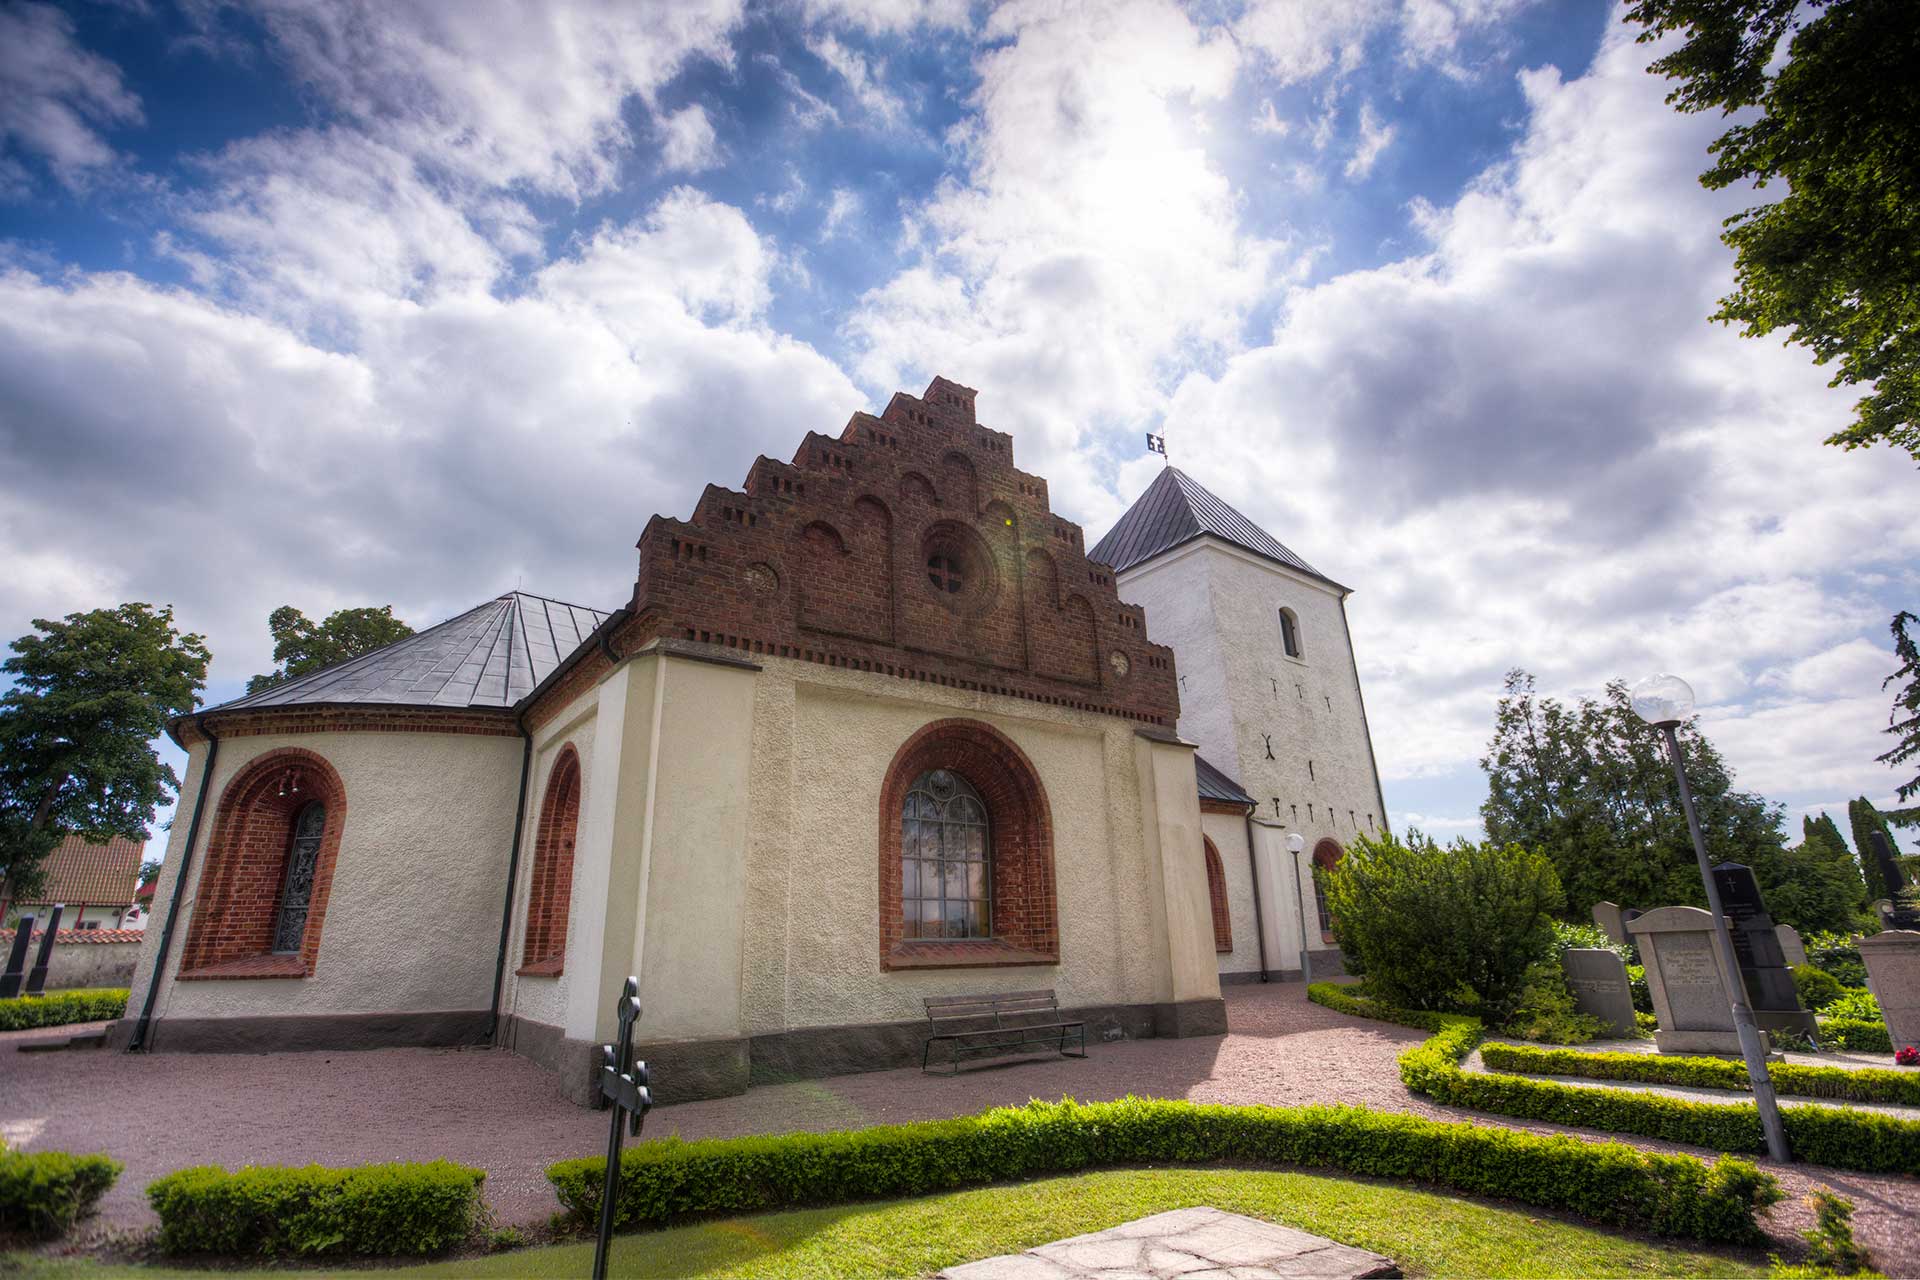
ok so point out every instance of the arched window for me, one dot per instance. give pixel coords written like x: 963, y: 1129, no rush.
x: 296, y: 894
x: 1290, y: 633
x: 1325, y: 855
x: 946, y: 856
x: 550, y: 891
x: 1217, y: 897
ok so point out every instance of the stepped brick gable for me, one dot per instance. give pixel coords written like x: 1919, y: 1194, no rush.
x: 910, y: 545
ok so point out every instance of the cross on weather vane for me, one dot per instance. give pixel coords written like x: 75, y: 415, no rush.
x: 1157, y: 444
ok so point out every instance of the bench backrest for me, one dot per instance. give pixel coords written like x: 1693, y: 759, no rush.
x: 992, y: 1009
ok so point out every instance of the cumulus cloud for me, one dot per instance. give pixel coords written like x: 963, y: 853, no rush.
x: 57, y: 101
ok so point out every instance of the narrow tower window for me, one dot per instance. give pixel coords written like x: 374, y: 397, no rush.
x: 1290, y: 633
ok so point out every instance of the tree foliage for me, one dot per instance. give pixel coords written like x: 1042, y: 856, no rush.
x: 1815, y: 885
x: 91, y: 692
x: 1835, y: 260
x: 302, y: 646
x: 1865, y: 820
x: 1903, y: 722
x: 1590, y: 786
x: 1444, y: 928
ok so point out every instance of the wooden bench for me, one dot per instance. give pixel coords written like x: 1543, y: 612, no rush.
x: 1000, y: 1023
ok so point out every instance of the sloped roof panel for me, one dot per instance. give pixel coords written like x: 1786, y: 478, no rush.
x: 1176, y: 509
x: 1215, y: 785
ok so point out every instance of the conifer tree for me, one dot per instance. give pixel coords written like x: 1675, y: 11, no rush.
x: 1865, y: 819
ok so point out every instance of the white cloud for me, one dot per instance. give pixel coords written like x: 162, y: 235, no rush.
x: 890, y: 16
x: 56, y: 100
x: 689, y: 144
x: 1269, y: 121
x: 844, y: 204
x: 1375, y: 137
x: 865, y: 79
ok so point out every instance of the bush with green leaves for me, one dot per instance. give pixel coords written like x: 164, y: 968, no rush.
x: 63, y: 1008
x: 1838, y: 955
x: 375, y: 1210
x: 43, y: 1193
x: 1548, y: 1012
x: 1637, y: 985
x: 1815, y: 986
x: 1857, y: 1006
x: 1845, y: 1138
x: 1855, y: 1035
x: 1792, y: 1080
x: 1444, y: 928
x: 667, y: 1179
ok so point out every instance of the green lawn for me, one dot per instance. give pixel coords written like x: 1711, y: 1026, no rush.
x: 1427, y: 1233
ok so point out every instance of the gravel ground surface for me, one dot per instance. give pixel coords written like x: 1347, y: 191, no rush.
x: 492, y: 1109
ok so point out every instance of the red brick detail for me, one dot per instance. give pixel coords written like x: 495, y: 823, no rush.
x: 246, y: 865
x: 1026, y: 926
x: 828, y: 558
x: 1325, y: 855
x: 485, y: 722
x: 1217, y: 896
x: 551, y: 887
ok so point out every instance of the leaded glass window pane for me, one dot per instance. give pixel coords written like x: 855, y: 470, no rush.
x: 296, y: 895
x: 945, y: 859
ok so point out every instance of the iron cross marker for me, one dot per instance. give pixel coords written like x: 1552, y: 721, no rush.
x: 623, y: 1083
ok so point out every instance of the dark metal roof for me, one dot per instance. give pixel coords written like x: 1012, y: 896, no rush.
x: 490, y: 656
x: 1215, y: 785
x: 1176, y: 509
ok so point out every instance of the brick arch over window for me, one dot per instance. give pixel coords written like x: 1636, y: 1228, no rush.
x: 1217, y: 897
x: 1326, y: 855
x: 550, y: 891
x: 243, y: 888
x: 1024, y: 909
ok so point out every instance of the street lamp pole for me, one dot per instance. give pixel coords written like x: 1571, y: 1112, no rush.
x: 1296, y: 844
x: 1664, y: 701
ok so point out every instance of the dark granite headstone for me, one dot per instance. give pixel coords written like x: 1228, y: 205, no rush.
x: 1891, y: 874
x: 1756, y: 945
x: 16, y: 970
x: 37, y: 976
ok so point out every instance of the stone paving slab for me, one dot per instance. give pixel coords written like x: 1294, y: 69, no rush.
x: 1192, y: 1244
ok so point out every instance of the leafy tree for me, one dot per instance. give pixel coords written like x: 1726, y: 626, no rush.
x: 301, y: 646
x: 1444, y: 928
x: 90, y: 694
x: 1833, y: 260
x: 1815, y: 885
x: 1903, y: 722
x: 1589, y: 786
x: 1865, y: 819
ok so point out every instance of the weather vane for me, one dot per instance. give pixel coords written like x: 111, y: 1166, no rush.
x: 1157, y: 444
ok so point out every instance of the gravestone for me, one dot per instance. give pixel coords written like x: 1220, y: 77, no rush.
x: 1791, y: 947
x: 1893, y: 915
x: 16, y: 970
x: 1607, y: 916
x: 1687, y: 980
x: 37, y: 976
x: 1893, y: 975
x: 1599, y: 981
x: 1771, y: 995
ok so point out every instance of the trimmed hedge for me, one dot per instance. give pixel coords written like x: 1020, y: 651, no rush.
x: 1851, y: 1033
x: 1844, y: 1139
x: 1899, y: 1088
x: 1611, y: 1183
x: 372, y: 1209
x: 86, y: 1004
x: 43, y: 1193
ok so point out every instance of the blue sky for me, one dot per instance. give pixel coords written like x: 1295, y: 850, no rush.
x: 332, y: 304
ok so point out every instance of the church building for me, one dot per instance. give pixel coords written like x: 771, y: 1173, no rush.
x: 872, y: 728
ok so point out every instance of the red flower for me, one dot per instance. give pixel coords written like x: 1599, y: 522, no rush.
x: 1908, y: 1056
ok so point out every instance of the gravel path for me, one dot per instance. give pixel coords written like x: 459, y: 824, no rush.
x: 492, y: 1109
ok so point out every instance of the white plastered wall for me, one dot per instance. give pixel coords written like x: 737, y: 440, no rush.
x: 413, y: 910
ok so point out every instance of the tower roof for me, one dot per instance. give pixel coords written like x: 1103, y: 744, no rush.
x: 490, y: 656
x: 1175, y: 510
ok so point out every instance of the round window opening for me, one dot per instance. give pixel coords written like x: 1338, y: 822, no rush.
x: 945, y: 573
x: 959, y: 567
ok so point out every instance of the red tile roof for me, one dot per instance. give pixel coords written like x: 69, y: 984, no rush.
x: 95, y: 936
x: 100, y: 875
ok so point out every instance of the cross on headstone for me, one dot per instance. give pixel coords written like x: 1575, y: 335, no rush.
x: 623, y: 1083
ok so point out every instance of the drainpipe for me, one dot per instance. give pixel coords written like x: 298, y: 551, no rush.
x: 139, y: 1040
x: 1259, y: 925
x: 513, y: 873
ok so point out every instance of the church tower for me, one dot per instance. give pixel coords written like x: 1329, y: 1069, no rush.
x: 1268, y: 686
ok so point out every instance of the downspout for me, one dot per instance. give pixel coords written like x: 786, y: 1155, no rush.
x: 513, y: 873
x: 1354, y: 663
x: 1259, y: 925
x: 139, y: 1040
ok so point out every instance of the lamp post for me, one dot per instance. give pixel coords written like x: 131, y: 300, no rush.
x: 1296, y: 844
x: 1663, y: 701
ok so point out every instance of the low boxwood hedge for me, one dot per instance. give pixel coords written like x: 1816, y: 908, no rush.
x: 1607, y: 1182
x: 370, y: 1209
x: 57, y: 1009
x: 1844, y: 1139
x: 1896, y: 1087
x: 1855, y: 1034
x: 43, y: 1193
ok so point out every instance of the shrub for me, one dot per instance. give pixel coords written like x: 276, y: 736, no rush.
x: 373, y: 1209
x: 1548, y: 1012
x: 1837, y: 955
x: 1855, y: 1006
x: 1830, y: 1243
x: 1444, y: 928
x: 43, y: 1193
x: 1815, y: 986
x: 667, y: 1179
x: 1856, y: 1035
x: 1642, y: 993
x: 1792, y: 1080
x: 59, y: 1008
x: 1870, y: 1142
